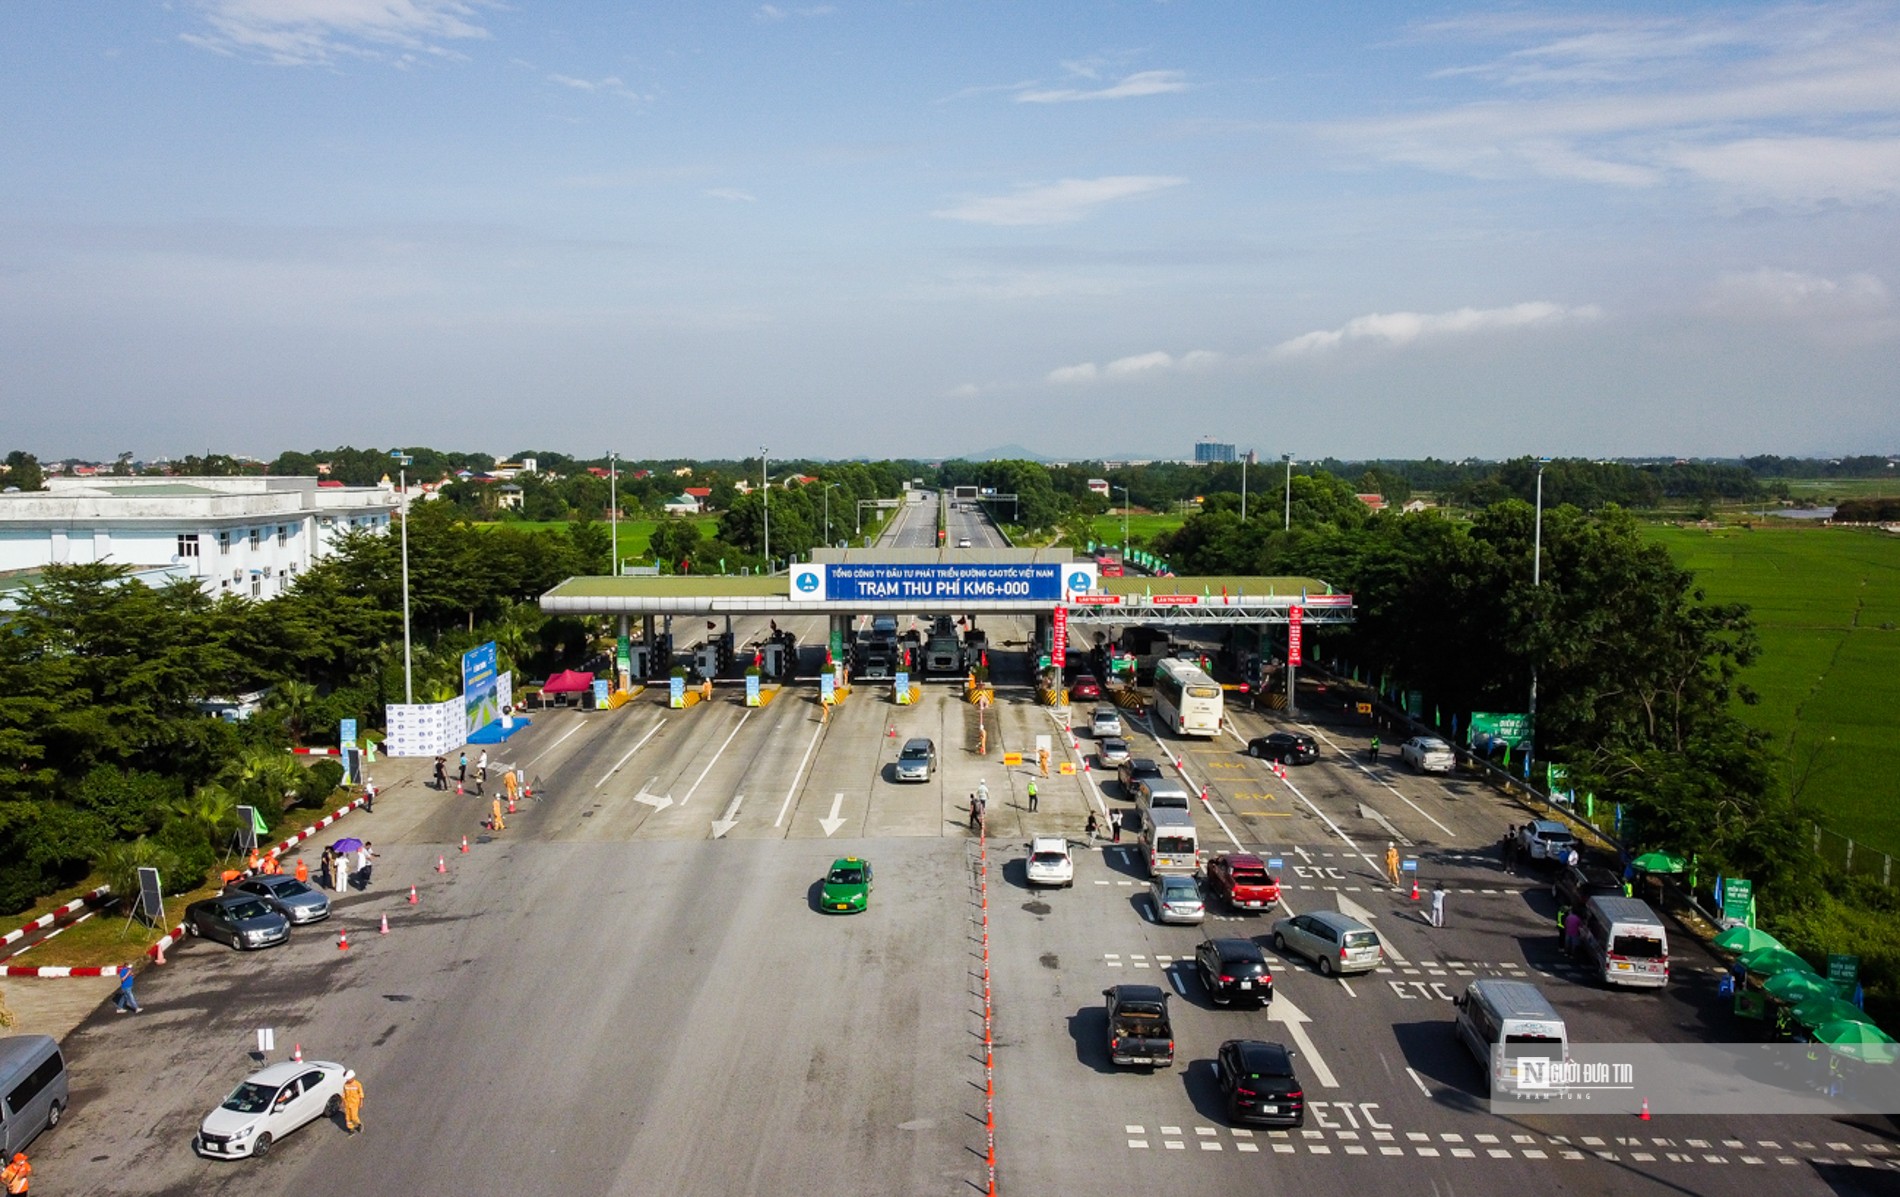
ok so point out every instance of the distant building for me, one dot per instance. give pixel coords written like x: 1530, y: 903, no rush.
x: 1098, y: 486
x: 508, y: 496
x: 1213, y: 453
x: 1375, y: 502
x: 248, y: 536
x: 682, y: 505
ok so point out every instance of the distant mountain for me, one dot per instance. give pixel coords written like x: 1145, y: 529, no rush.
x: 1002, y: 453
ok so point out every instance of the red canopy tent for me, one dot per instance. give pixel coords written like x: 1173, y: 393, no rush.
x: 569, y: 681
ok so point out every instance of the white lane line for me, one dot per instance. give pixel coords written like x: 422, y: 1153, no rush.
x: 1347, y: 986
x: 1344, y: 838
x: 1206, y: 806
x: 1346, y: 755
x: 623, y: 760
x: 1416, y: 1081
x: 721, y: 826
x: 716, y: 756
x: 798, y: 773
x: 1081, y: 763
x: 578, y: 724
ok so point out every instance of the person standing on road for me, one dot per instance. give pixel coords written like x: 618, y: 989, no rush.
x: 365, y: 860
x: 983, y: 792
x: 1438, y: 904
x: 1115, y: 827
x: 1507, y: 849
x: 441, y: 773
x: 123, y: 999
x: 1573, y: 933
x: 1032, y: 797
x: 327, y: 865
x: 1392, y: 863
x: 481, y: 767
x: 302, y: 872
x: 1092, y: 828
x: 511, y: 785
x: 495, y: 822
x: 461, y: 774
x: 15, y: 1174
x: 352, y: 1103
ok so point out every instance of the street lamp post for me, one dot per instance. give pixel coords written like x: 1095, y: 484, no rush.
x: 403, y: 462
x: 829, y: 487
x: 1537, y: 581
x: 1243, y: 487
x: 1124, y: 491
x: 765, y: 496
x: 1288, y: 458
x: 613, y: 507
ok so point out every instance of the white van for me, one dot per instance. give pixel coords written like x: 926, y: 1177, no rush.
x: 1501, y: 1020
x: 1169, y: 843
x: 33, y: 1089
x: 1161, y: 793
x: 1626, y: 942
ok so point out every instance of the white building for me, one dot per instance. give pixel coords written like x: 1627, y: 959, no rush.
x: 244, y: 536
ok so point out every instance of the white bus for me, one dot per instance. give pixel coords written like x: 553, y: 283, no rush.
x: 1187, y: 701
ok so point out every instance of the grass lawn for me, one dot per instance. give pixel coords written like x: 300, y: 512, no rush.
x: 1142, y: 529
x: 1827, y: 605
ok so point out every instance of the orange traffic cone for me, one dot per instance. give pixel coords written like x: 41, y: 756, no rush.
x: 1203, y: 793
x: 343, y: 940
x: 158, y: 952
x: 458, y: 788
x: 296, y: 1054
x: 511, y: 806
x: 1414, y: 887
x: 527, y: 791
x: 385, y: 930
x: 464, y: 843
x: 441, y: 864
x: 412, y: 890
x: 1644, y: 1116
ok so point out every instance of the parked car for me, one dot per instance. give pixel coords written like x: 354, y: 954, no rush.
x: 1428, y: 754
x: 1258, y: 1084
x: 298, y: 901
x: 1049, y: 862
x: 916, y: 760
x: 1242, y: 881
x: 268, y: 1105
x: 1291, y: 748
x: 1105, y: 721
x: 1574, y: 885
x: 1111, y: 751
x: 1177, y: 898
x: 1085, y: 686
x: 1334, y: 942
x: 1234, y: 970
x: 241, y: 920
x: 1545, y: 839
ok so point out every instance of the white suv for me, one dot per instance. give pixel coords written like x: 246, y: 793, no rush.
x: 1049, y: 862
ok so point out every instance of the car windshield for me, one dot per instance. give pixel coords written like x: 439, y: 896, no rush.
x: 1049, y: 857
x: 246, y: 910
x: 292, y: 889
x: 1174, y: 845
x: 1113, y: 745
x: 250, y: 1098
x: 916, y: 753
x: 1637, y: 947
x: 1361, y: 939
x: 853, y: 875
x: 1178, y: 887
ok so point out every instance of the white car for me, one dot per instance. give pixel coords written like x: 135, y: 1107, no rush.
x: 268, y: 1105
x: 1049, y: 862
x: 1427, y: 754
x: 963, y: 542
x: 1105, y: 721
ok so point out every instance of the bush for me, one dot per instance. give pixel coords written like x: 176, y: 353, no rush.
x: 195, y: 857
x: 44, y: 845
x: 122, y: 861
x: 128, y: 803
x: 1858, y: 918
x: 319, y: 781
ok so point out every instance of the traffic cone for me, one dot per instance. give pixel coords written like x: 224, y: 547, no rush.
x: 464, y: 843
x: 158, y: 952
x: 1203, y: 793
x: 412, y: 892
x: 441, y: 864
x: 1644, y: 1116
x: 296, y: 1054
x: 527, y: 791
x: 385, y: 930
x: 511, y: 806
x: 1414, y: 887
x: 458, y: 787
x: 343, y: 940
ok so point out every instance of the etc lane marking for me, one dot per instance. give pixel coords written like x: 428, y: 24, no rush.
x: 798, y: 773
x: 623, y: 760
x: 715, y: 757
x: 550, y: 748
x: 1346, y: 839
x: 1377, y: 780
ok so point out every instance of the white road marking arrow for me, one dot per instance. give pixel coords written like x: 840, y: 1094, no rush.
x: 656, y: 801
x: 832, y: 823
x: 722, y: 825
x: 1353, y: 910
x: 1282, y: 1011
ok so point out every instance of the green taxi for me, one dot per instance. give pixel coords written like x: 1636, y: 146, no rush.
x: 847, y: 888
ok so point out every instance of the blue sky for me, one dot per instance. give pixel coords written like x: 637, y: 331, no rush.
x: 846, y: 229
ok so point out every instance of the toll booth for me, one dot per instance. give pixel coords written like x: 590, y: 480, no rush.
x: 778, y: 658
x: 640, y: 660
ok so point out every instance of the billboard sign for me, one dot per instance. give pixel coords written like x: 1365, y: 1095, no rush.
x: 1059, y: 637
x: 1038, y: 583
x: 1489, y: 729
x: 479, y: 699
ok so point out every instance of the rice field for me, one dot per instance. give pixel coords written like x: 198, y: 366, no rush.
x: 1826, y: 602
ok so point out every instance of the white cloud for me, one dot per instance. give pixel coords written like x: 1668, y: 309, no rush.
x: 1141, y: 363
x: 772, y: 12
x: 1773, y: 290
x: 731, y: 194
x: 307, y: 32
x: 612, y: 85
x: 1056, y: 203
x: 1085, y: 372
x: 1142, y: 83
x: 1801, y: 170
x: 1133, y: 366
x: 1394, y: 329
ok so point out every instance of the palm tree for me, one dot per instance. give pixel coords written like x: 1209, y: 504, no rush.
x: 290, y: 701
x: 212, y: 807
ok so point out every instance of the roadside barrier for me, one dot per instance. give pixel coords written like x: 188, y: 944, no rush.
x: 989, y: 1041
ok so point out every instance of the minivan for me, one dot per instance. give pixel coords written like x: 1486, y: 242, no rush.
x: 1626, y: 942
x: 33, y: 1089
x: 1158, y: 793
x: 1170, y: 843
x: 1500, y: 1021
x: 1334, y: 942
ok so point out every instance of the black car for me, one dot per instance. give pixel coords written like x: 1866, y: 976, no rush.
x: 1234, y: 970
x: 241, y: 920
x: 1258, y: 1084
x: 1576, y: 884
x: 1134, y: 769
x: 1289, y: 748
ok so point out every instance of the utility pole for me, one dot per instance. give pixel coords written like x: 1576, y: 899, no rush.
x: 765, y: 496
x: 1288, y: 458
x: 1243, y: 486
x: 403, y: 461
x: 1537, y: 581
x: 613, y: 507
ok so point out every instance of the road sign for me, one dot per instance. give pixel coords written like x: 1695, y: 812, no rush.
x: 1364, y: 708
x: 1035, y: 582
x: 1844, y: 972
x: 1096, y: 600
x: 1275, y: 864
x: 1174, y: 600
x: 1059, y: 640
x: 1294, y: 637
x: 1408, y: 865
x: 1012, y: 758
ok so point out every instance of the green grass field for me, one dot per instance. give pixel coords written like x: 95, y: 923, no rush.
x: 1142, y: 529
x: 1827, y: 605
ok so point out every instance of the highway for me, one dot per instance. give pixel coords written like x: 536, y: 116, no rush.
x: 630, y: 989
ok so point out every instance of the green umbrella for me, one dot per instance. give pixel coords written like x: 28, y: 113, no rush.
x: 1743, y: 940
x: 1821, y: 1010
x: 1660, y: 862
x: 1766, y: 962
x: 1793, y: 987
x: 1860, y: 1040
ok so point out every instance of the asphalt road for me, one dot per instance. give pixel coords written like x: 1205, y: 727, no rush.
x: 629, y: 990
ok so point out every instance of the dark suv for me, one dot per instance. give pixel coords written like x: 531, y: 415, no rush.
x: 1576, y: 884
x: 1134, y: 769
x: 1289, y: 748
x: 1257, y: 1083
x: 1234, y: 970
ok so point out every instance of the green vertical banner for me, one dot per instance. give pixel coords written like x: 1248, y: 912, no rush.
x: 1415, y: 703
x: 1738, y: 899
x: 623, y: 659
x: 1556, y: 781
x: 837, y: 646
x: 1844, y: 972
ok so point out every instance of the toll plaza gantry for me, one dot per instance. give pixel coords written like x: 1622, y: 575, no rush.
x: 1259, y: 618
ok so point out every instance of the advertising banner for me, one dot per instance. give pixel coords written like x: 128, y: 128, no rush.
x: 1844, y: 972
x: 1059, y: 638
x: 1489, y: 728
x: 478, y: 688
x: 676, y: 692
x: 752, y: 689
x: 346, y: 733
x: 600, y: 693
x: 1040, y: 583
x: 1295, y: 636
x: 424, y: 729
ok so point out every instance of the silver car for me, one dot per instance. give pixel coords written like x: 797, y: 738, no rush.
x: 1111, y: 751
x: 1105, y: 721
x: 1177, y: 899
x: 916, y: 760
x: 295, y: 900
x: 1334, y: 942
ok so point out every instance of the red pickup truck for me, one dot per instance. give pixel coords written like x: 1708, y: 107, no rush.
x: 1242, y: 880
